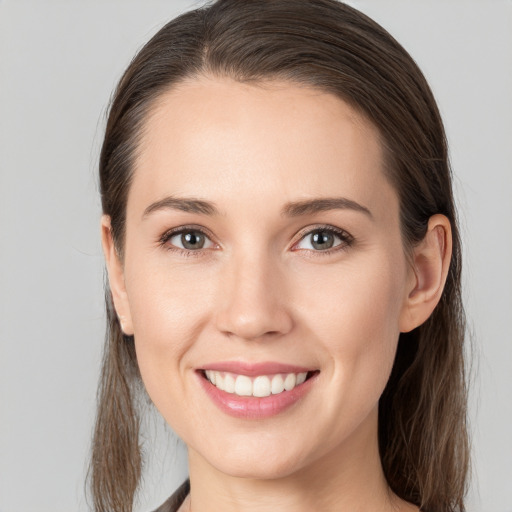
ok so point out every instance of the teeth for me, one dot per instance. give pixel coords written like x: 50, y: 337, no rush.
x: 243, y: 386
x: 301, y: 377
x: 260, y: 386
x: 289, y: 382
x: 277, y: 385
x: 211, y: 376
x: 229, y: 383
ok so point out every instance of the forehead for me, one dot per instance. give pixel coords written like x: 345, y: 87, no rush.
x: 234, y: 141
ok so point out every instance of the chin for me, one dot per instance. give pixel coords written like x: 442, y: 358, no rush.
x: 263, y: 471
x: 263, y: 463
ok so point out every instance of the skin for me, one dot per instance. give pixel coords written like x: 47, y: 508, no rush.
x: 259, y: 291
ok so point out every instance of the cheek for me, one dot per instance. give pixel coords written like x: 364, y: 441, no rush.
x: 355, y: 319
x: 169, y: 310
x: 166, y: 302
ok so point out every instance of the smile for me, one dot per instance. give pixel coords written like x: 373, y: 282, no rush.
x: 259, y: 386
x: 255, y: 391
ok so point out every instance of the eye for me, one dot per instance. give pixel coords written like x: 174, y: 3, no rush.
x: 323, y: 239
x: 187, y: 239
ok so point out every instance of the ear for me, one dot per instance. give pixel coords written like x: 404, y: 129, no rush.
x: 431, y: 261
x: 116, y: 277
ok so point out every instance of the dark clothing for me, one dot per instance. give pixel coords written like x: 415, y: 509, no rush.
x: 175, y: 501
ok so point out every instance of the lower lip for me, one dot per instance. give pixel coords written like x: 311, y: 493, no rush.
x: 250, y: 407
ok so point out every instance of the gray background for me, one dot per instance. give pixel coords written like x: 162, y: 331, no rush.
x: 59, y: 61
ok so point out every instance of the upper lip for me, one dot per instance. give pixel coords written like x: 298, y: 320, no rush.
x: 254, y: 369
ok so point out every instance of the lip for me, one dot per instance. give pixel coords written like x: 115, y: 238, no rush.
x: 250, y: 407
x: 255, y: 369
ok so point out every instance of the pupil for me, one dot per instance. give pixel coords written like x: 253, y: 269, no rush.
x: 322, y: 240
x: 192, y: 241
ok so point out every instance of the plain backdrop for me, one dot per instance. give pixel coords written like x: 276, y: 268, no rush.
x: 59, y: 61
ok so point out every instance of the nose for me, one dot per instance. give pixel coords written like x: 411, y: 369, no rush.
x: 252, y: 303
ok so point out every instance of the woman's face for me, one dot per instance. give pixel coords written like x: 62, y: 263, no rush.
x: 263, y: 245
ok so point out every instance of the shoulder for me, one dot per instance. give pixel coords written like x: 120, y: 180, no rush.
x: 174, y: 502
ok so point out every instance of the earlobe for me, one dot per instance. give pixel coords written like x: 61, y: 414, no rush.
x: 116, y: 277
x: 431, y: 261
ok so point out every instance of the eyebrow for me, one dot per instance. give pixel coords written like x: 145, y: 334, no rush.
x: 291, y: 209
x: 184, y: 204
x: 310, y: 206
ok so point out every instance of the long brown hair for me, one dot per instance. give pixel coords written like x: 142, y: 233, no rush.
x: 330, y: 46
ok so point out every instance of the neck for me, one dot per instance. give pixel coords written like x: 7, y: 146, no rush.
x: 349, y: 478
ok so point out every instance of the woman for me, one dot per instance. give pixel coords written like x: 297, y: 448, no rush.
x: 284, y: 267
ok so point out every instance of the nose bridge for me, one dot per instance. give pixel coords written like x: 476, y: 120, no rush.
x: 251, y: 295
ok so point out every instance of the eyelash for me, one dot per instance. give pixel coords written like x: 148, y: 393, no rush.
x: 347, y: 239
